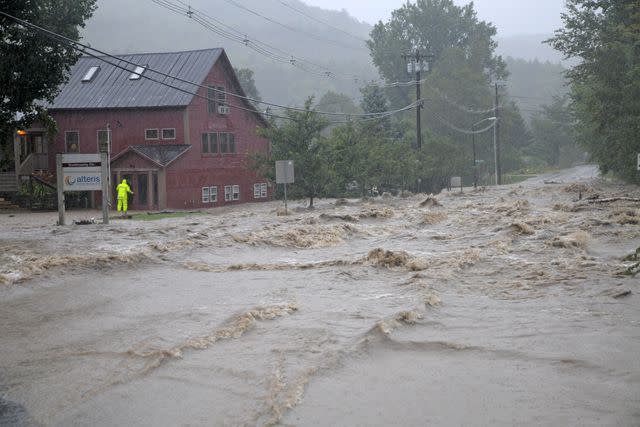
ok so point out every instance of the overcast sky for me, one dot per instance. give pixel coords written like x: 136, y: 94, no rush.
x: 510, y: 16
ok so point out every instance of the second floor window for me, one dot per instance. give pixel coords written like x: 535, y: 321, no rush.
x: 151, y: 134
x: 227, y: 143
x: 218, y: 142
x: 169, y: 133
x: 209, y: 143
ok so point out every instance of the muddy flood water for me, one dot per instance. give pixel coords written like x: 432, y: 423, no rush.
x: 502, y: 306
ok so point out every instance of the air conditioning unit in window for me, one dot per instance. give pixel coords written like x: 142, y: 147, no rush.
x: 223, y: 109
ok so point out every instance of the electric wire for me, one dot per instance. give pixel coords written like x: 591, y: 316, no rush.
x: 321, y: 21
x: 288, y: 27
x: 86, y: 50
x: 464, y: 131
x: 212, y: 24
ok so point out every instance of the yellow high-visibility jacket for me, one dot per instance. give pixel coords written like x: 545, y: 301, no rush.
x: 123, y: 188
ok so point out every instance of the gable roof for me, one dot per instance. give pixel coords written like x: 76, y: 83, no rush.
x: 160, y: 154
x: 112, y: 88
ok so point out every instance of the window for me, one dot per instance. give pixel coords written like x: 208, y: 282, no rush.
x: 221, y: 99
x: 205, y: 194
x: 227, y: 142
x: 213, y: 194
x: 72, y: 141
x: 216, y: 97
x: 151, y: 134
x: 209, y: 143
x: 211, y: 99
x: 137, y: 73
x: 236, y: 192
x: 232, y: 143
x: 205, y: 143
x: 260, y: 191
x: 103, y: 140
x: 228, y: 193
x: 93, y: 71
x: 224, y: 146
x: 169, y: 133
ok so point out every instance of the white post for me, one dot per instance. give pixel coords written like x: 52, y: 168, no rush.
x: 60, y: 188
x: 285, y: 199
x: 495, y: 151
x: 105, y: 186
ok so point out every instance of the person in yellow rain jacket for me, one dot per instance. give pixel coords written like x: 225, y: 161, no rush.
x: 123, y: 193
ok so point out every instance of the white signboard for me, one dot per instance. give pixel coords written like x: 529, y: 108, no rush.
x: 456, y: 181
x: 81, y: 172
x: 284, y: 171
x: 639, y: 162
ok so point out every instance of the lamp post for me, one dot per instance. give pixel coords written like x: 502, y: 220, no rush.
x: 473, y: 139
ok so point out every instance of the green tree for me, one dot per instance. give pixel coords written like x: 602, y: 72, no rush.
x: 336, y: 103
x: 245, y: 76
x: 299, y: 139
x: 605, y: 35
x: 34, y: 66
x: 553, y: 134
x: 432, y: 27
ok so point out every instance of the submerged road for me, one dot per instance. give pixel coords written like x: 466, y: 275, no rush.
x: 502, y: 306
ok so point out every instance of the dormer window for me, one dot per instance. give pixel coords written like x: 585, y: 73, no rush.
x: 91, y: 73
x: 137, y: 73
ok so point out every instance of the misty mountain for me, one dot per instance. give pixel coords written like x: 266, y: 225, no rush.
x: 533, y: 83
x: 530, y: 47
x: 124, y: 26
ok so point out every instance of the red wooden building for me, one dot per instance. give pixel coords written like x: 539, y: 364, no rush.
x: 176, y: 149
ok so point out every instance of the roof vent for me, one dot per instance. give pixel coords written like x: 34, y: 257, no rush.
x: 137, y: 73
x: 93, y: 71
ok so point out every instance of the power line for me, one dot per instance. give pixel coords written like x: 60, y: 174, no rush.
x: 86, y: 49
x: 464, y: 131
x: 218, y: 27
x: 460, y: 107
x: 296, y: 30
x: 320, y: 21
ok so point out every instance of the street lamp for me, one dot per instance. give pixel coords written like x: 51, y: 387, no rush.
x: 473, y: 136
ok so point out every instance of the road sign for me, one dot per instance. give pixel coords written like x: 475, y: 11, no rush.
x: 284, y: 172
x: 81, y: 172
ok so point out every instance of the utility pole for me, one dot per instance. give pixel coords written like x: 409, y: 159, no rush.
x: 416, y: 62
x: 496, y: 138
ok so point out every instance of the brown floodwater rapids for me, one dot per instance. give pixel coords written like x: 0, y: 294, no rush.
x: 515, y: 305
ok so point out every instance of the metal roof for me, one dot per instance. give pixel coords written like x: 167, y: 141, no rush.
x: 111, y: 87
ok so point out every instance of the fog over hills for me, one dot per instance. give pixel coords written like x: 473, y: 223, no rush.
x: 123, y: 26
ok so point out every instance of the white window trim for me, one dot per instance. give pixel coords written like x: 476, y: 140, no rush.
x: 205, y: 194
x: 162, y: 133
x: 228, y: 193
x: 151, y: 139
x: 213, y: 194
x: 236, y: 192
x: 260, y: 190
